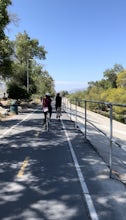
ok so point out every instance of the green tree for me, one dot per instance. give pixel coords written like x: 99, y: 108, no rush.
x: 45, y: 83
x: 16, y: 92
x: 111, y: 75
x: 6, y: 48
x: 26, y: 50
x: 64, y: 93
x: 121, y: 79
x: 4, y: 17
x: 6, y: 51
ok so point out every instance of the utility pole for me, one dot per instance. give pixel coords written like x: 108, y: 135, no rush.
x: 27, y: 75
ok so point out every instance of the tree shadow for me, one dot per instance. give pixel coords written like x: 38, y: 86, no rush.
x: 38, y: 176
x: 49, y: 181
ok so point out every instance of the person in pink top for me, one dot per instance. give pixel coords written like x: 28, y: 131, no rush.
x: 47, y: 107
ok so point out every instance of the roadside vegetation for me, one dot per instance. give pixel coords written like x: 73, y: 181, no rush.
x: 26, y: 78
x: 111, y: 89
x: 20, y: 66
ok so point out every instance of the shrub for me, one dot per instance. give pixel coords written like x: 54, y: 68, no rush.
x: 17, y: 92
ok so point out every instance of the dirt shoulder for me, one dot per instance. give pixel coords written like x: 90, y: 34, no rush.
x: 6, y: 113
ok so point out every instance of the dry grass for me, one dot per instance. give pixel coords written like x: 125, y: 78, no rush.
x: 4, y: 114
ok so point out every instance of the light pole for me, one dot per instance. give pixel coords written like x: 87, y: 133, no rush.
x: 28, y: 75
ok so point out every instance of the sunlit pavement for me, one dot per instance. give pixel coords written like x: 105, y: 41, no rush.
x: 38, y: 175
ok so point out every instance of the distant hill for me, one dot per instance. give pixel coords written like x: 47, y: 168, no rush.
x: 76, y: 90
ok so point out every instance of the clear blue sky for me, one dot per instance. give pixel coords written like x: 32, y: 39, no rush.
x: 83, y: 37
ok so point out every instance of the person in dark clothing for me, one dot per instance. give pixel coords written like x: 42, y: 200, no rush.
x: 58, y: 101
x: 47, y: 107
x: 58, y: 104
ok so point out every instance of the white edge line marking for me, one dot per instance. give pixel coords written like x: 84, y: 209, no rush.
x: 1, y: 136
x: 87, y: 196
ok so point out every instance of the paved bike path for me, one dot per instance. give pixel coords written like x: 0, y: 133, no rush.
x: 39, y: 179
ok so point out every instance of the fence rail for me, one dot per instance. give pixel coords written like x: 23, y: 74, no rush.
x: 82, y: 114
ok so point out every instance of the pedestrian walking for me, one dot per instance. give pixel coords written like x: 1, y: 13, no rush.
x: 58, y: 104
x: 47, y: 107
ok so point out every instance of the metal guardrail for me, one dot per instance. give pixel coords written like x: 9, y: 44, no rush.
x: 72, y: 110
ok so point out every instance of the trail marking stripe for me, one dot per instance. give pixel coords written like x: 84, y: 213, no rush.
x: 12, y: 127
x: 87, y: 196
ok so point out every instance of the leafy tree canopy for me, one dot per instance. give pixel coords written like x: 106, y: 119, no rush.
x: 26, y: 51
x: 121, y: 79
x: 111, y: 75
x: 27, y: 48
x: 6, y: 48
x: 4, y: 17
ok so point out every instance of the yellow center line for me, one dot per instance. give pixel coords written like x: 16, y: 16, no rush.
x: 22, y: 169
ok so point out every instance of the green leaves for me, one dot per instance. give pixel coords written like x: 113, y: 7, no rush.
x: 5, y: 45
x: 112, y: 88
x: 4, y: 17
x: 18, y: 59
x: 27, y: 48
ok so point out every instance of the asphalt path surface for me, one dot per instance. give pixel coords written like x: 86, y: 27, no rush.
x: 38, y: 175
x: 55, y: 174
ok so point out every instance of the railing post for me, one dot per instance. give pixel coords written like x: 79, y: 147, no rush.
x: 85, y: 113
x: 110, y: 139
x: 67, y: 107
x: 76, y: 104
x: 70, y: 109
